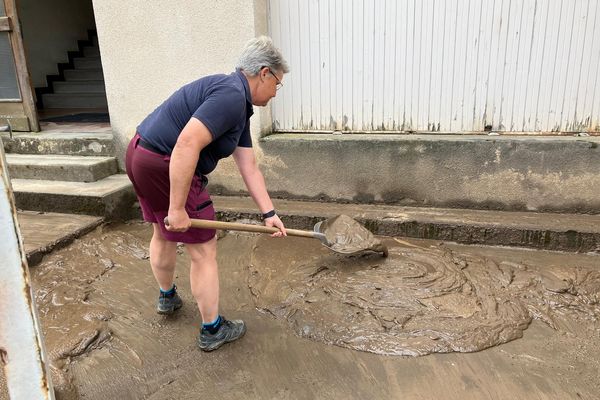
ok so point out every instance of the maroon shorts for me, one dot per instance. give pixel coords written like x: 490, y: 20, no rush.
x: 149, y: 173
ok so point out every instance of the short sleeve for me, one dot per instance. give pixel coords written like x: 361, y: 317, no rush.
x: 245, y: 137
x: 222, y: 110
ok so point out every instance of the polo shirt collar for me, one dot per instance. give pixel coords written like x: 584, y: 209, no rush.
x: 244, y: 80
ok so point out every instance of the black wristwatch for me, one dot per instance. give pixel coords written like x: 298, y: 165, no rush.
x: 269, y: 214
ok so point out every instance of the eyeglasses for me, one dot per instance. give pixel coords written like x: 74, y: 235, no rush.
x: 279, y: 84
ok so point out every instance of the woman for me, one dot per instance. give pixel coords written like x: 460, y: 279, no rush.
x: 168, y: 159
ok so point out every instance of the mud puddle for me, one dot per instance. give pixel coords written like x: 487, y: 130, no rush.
x: 96, y: 300
x: 422, y: 300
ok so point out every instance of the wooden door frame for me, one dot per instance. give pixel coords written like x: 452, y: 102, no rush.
x: 10, y: 24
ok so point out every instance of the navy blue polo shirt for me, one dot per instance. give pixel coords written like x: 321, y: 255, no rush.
x: 224, y: 105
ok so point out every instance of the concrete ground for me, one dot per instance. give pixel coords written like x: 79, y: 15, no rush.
x: 96, y: 299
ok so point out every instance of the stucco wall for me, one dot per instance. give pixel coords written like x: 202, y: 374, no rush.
x: 150, y: 49
x: 50, y: 29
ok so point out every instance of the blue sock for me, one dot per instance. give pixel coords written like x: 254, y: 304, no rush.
x: 169, y: 292
x: 213, y: 327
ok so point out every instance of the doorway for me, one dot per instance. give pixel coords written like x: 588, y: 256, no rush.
x: 17, y: 108
x: 62, y: 65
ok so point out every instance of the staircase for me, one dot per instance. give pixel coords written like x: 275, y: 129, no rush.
x: 73, y: 172
x: 70, y: 168
x: 80, y: 82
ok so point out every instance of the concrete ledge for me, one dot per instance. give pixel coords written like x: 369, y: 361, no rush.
x: 72, y: 143
x: 61, y: 167
x: 556, y: 174
x: 111, y: 197
x: 565, y: 232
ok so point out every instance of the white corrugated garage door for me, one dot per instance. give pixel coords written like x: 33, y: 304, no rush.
x: 438, y: 65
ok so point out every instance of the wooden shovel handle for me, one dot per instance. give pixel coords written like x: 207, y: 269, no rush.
x: 235, y: 226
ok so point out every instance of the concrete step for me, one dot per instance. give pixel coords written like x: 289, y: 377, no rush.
x: 44, y: 232
x: 549, y: 231
x: 91, y: 51
x: 83, y: 74
x: 61, y: 167
x: 71, y: 143
x: 111, y: 197
x: 91, y: 62
x: 91, y: 86
x: 74, y: 100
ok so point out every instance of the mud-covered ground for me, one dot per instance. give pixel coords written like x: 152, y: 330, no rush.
x: 319, y: 323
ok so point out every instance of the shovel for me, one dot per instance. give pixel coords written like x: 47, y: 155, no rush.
x: 341, y: 234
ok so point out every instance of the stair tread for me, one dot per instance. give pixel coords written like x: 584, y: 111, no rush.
x: 86, y: 70
x: 61, y: 135
x: 79, y: 100
x: 87, y: 58
x: 83, y: 74
x: 100, y: 188
x: 80, y: 82
x: 55, y: 159
x: 79, y: 90
x: 95, y: 142
x: 87, y: 63
x: 85, y: 94
x: 91, y: 51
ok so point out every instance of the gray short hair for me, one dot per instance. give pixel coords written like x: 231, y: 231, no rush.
x: 261, y: 52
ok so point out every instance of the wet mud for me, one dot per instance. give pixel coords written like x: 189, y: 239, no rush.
x: 345, y: 235
x: 74, y: 324
x: 96, y: 300
x: 421, y: 300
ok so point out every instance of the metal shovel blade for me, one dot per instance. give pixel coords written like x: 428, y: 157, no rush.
x: 344, y: 235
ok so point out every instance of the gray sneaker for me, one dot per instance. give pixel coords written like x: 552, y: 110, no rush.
x: 228, y: 332
x: 168, y: 304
